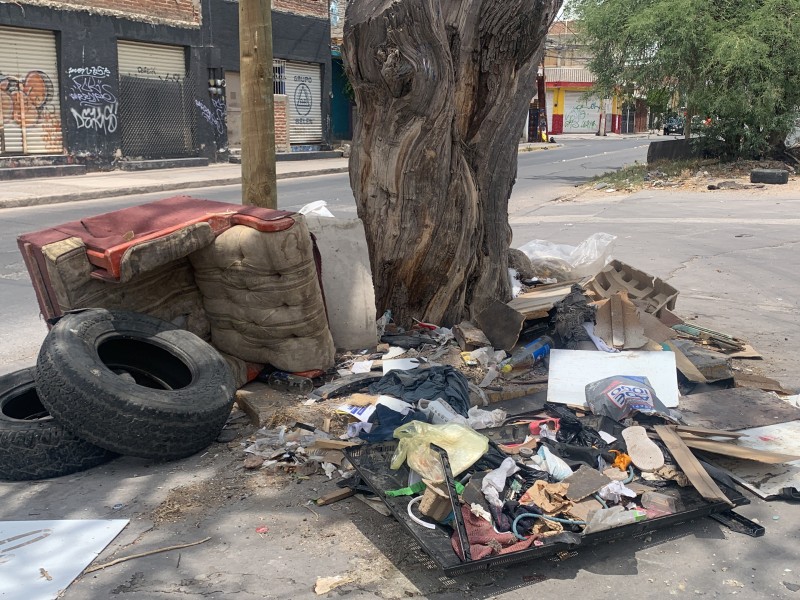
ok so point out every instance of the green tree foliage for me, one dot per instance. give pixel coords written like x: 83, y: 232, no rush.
x: 735, y: 62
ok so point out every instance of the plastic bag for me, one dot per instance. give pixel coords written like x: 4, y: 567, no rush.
x: 464, y: 447
x: 547, y: 461
x: 570, y: 262
x: 620, y: 397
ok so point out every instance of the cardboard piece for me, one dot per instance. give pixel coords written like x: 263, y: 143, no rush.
x: 735, y: 409
x: 617, y: 323
x: 501, y: 324
x: 759, y: 382
x: 572, y: 370
x: 584, y: 482
x: 617, y: 276
x: 655, y: 330
x: 40, y: 559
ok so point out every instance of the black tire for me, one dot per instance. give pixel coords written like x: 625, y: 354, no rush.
x: 32, y: 443
x: 134, y: 384
x: 771, y: 176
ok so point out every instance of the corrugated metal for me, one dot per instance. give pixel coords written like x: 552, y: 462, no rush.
x: 304, y: 94
x: 581, y: 115
x: 30, y: 112
x: 550, y: 96
x: 151, y: 61
x: 568, y: 75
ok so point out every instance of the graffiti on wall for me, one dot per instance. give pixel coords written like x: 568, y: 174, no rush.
x: 27, y: 102
x: 90, y: 88
x: 215, y: 116
x: 582, y: 115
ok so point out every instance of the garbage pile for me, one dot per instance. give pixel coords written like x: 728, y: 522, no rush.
x: 600, y: 410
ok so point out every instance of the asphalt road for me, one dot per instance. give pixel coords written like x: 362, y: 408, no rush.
x: 732, y: 254
x: 542, y: 176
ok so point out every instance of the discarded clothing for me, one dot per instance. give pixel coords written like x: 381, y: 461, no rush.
x: 435, y: 382
x: 484, y: 540
x: 385, y: 421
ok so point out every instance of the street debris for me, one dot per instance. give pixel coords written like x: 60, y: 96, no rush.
x: 582, y: 410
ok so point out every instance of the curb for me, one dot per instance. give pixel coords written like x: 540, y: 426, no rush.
x: 149, y: 189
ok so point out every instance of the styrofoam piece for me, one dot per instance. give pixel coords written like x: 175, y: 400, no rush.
x: 39, y: 559
x: 572, y: 370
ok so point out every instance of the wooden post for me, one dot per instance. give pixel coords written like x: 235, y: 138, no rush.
x: 258, y: 106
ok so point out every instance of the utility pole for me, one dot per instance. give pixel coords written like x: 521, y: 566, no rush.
x: 258, y: 105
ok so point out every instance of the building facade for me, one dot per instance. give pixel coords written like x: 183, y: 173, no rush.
x: 99, y: 81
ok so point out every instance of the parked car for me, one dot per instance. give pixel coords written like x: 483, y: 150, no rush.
x: 673, y: 125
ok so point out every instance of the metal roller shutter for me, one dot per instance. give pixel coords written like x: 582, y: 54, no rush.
x: 30, y: 112
x: 580, y: 115
x: 304, y: 95
x: 151, y: 61
x: 550, y: 96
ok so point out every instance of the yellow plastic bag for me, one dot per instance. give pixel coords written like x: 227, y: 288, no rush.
x: 464, y: 447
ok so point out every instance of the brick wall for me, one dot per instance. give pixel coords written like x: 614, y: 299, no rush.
x: 306, y: 8
x: 167, y: 11
x: 281, y: 129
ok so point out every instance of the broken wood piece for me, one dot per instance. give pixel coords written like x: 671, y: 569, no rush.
x: 493, y: 397
x: 501, y: 324
x: 705, y: 432
x: 685, y: 366
x: 689, y: 464
x: 470, y: 337
x: 335, y: 496
x: 332, y: 444
x: 733, y: 451
x: 116, y: 561
x: 537, y: 303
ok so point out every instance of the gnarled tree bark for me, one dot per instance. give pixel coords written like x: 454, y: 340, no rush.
x: 442, y: 88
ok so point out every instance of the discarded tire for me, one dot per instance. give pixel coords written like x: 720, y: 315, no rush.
x: 134, y: 384
x: 32, y: 443
x: 773, y: 176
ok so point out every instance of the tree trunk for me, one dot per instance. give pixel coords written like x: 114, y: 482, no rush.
x: 258, y: 104
x: 443, y: 89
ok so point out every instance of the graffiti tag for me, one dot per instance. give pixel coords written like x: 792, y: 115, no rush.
x: 90, y: 87
x: 582, y: 116
x: 97, y: 118
x: 27, y: 102
x: 214, y: 115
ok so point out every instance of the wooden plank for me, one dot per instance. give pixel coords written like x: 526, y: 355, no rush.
x: 732, y: 450
x: 537, y: 303
x: 335, y: 496
x: 470, y: 337
x: 685, y: 366
x: 704, y: 432
x: 695, y: 472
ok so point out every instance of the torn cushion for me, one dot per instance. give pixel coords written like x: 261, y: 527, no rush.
x: 262, y: 297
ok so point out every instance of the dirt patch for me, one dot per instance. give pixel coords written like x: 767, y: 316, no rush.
x: 693, y: 176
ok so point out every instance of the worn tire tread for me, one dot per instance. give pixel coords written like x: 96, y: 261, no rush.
x: 122, y: 425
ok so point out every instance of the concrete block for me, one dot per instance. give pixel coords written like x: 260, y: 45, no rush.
x: 772, y: 176
x: 346, y: 280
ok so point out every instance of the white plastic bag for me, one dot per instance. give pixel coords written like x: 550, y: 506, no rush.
x: 570, y: 262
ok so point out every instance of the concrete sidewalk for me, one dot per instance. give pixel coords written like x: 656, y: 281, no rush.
x: 53, y: 190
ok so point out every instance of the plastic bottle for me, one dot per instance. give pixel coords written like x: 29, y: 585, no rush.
x: 529, y: 354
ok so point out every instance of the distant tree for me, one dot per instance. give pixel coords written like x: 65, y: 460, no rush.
x: 735, y: 62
